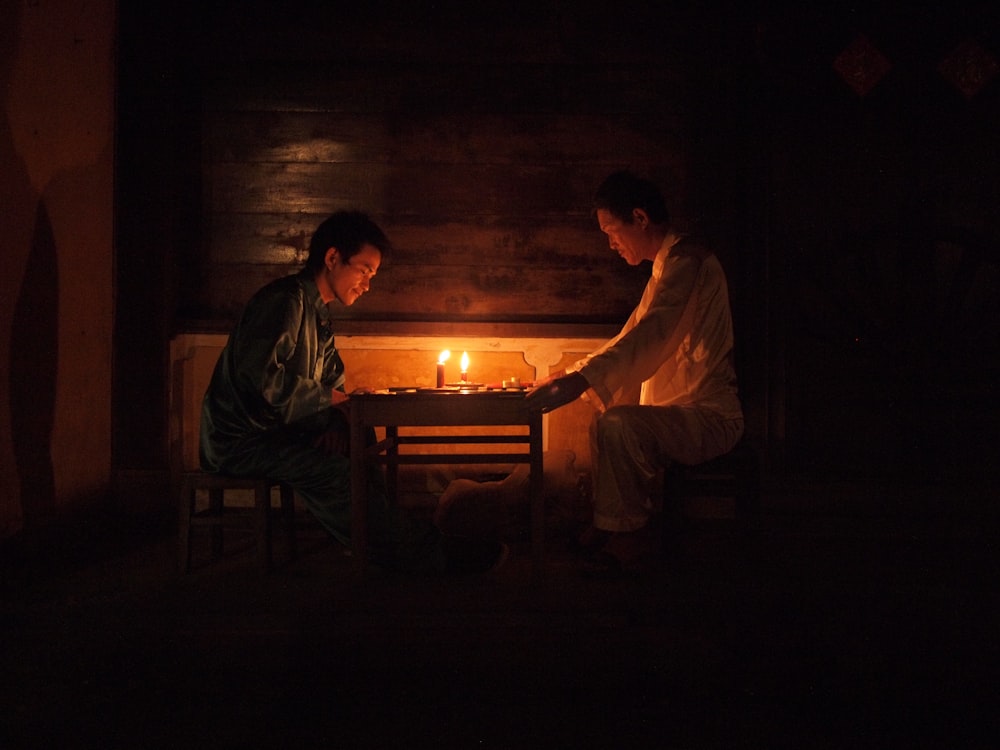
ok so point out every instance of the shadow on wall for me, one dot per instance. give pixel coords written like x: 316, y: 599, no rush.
x: 33, y: 360
x: 27, y: 316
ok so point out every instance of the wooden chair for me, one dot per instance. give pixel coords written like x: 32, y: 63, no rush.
x: 218, y: 516
x: 733, y: 475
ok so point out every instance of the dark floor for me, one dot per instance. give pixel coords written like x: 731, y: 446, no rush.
x: 857, y: 617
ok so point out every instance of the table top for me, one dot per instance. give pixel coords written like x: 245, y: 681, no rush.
x: 482, y: 392
x: 444, y: 406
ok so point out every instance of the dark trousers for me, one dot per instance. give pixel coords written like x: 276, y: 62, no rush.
x: 395, y: 539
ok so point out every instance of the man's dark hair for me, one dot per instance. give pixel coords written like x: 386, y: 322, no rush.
x: 347, y: 231
x: 623, y: 191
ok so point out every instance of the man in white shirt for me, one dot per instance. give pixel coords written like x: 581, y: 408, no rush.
x: 664, y: 388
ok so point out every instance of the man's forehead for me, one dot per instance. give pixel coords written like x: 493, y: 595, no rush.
x: 370, y: 254
x: 608, y: 221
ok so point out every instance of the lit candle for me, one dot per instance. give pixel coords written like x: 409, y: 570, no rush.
x: 440, y: 367
x: 465, y: 366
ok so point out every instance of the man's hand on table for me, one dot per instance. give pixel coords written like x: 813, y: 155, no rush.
x: 555, y: 392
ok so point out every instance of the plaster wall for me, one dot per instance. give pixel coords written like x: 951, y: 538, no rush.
x: 56, y: 229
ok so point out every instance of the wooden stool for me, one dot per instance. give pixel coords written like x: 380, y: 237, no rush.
x: 735, y: 474
x: 217, y: 516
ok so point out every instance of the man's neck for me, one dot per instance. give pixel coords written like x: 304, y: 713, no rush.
x: 657, y: 234
x: 326, y: 292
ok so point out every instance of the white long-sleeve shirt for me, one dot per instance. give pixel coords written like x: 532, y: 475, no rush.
x: 676, y: 348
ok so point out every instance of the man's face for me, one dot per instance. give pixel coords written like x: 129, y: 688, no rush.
x: 628, y: 240
x: 349, y: 279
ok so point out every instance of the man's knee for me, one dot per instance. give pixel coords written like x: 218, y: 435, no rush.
x: 614, y: 424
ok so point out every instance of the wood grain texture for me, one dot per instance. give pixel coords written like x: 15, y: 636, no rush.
x: 480, y: 173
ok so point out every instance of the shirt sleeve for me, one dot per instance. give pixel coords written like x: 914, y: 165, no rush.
x: 276, y: 358
x: 649, y: 339
x: 333, y: 369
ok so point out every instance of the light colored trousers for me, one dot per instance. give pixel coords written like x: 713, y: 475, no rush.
x: 630, y: 445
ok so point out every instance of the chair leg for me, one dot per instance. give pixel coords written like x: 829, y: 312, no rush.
x: 184, y: 526
x: 748, y: 491
x: 288, y: 516
x: 262, y: 525
x: 217, y: 518
x: 216, y: 509
x: 672, y: 515
x: 736, y: 475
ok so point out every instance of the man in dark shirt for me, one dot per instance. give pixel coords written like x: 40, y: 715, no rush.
x: 276, y: 404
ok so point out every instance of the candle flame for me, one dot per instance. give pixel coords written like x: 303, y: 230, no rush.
x: 444, y: 356
x: 465, y: 361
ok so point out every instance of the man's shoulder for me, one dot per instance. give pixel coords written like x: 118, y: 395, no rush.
x: 294, y: 281
x: 693, y: 256
x: 691, y: 247
x: 292, y: 286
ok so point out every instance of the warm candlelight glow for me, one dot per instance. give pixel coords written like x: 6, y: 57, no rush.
x: 444, y: 357
x: 465, y: 361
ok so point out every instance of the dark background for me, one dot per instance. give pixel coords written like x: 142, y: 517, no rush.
x: 842, y: 162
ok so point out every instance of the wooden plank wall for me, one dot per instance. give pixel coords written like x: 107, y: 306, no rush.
x: 476, y: 148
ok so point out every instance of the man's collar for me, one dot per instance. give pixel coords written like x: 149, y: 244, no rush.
x: 663, y: 253
x: 313, y: 296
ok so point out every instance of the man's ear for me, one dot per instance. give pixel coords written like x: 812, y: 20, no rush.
x: 330, y: 259
x: 640, y: 218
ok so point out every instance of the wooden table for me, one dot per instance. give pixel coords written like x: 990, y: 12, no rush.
x: 441, y: 408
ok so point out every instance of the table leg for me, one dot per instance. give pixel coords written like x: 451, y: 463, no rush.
x: 359, y: 508
x: 392, y: 463
x: 536, y: 488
